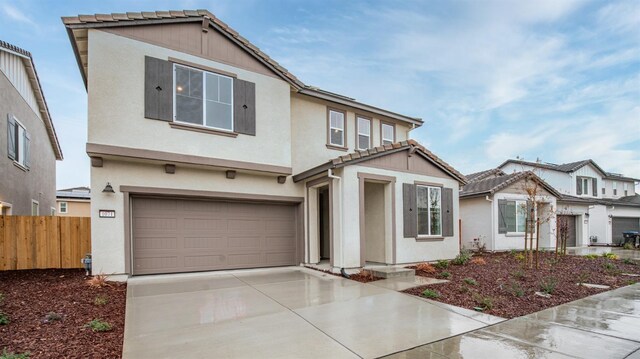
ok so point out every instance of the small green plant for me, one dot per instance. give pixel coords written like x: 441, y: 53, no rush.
x: 98, y: 325
x: 610, y: 255
x: 430, y: 293
x: 513, y: 252
x: 442, y: 264
x: 548, y: 285
x: 628, y: 246
x: 519, y: 274
x: 470, y: 281
x: 4, y: 319
x: 445, y: 274
x: 10, y: 355
x: 516, y: 289
x: 52, y: 317
x: 101, y: 300
x: 462, y: 258
x: 629, y: 261
x: 486, y: 303
x: 611, y: 268
x: 583, y: 277
x: 463, y: 289
x: 519, y: 257
x: 591, y: 256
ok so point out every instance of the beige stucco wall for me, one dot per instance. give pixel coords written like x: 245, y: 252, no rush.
x: 309, y: 129
x: 75, y: 208
x: 116, y: 107
x: 375, y: 221
x: 107, y: 234
x: 475, y: 215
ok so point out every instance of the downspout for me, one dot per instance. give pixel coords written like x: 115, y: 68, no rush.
x: 493, y: 239
x: 332, y: 176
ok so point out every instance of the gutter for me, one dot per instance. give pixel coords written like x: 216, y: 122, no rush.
x: 493, y: 237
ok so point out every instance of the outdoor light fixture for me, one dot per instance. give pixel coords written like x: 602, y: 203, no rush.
x: 108, y: 189
x: 586, y: 214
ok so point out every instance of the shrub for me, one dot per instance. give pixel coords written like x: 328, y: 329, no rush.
x: 548, y: 285
x: 9, y: 355
x: 516, y: 289
x: 625, y: 261
x: 519, y: 274
x: 591, y: 256
x: 442, y: 264
x: 480, y: 245
x: 445, y: 274
x: 430, y: 293
x: 610, y: 255
x: 479, y: 261
x: 628, y: 246
x: 52, y: 317
x: 425, y: 267
x: 519, y: 257
x: 4, y: 319
x: 611, y: 268
x: 583, y: 277
x: 98, y: 281
x: 98, y: 325
x: 470, y: 281
x: 462, y: 258
x: 513, y: 252
x: 486, y: 303
x: 101, y: 300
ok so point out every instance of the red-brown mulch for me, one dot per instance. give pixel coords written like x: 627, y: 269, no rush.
x: 29, y: 295
x: 503, y: 274
x: 358, y: 277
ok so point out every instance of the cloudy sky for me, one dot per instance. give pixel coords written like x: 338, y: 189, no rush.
x: 555, y: 80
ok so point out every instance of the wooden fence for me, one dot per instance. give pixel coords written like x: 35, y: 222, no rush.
x: 30, y: 242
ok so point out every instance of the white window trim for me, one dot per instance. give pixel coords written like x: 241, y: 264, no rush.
x: 585, y: 182
x: 53, y: 211
x: 204, y: 98
x: 7, y: 205
x: 66, y: 207
x: 393, y: 133
x: 33, y: 201
x: 358, y: 118
x: 344, y: 123
x: 19, y: 149
x: 429, y: 212
x: 519, y: 204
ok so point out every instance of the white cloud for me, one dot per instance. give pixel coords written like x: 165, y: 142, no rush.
x: 16, y: 15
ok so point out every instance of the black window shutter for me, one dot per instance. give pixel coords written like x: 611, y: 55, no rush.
x: 27, y: 149
x: 579, y: 185
x: 447, y: 212
x: 244, y: 107
x: 158, y: 89
x: 594, y: 183
x: 11, y: 137
x: 410, y: 210
x: 502, y: 210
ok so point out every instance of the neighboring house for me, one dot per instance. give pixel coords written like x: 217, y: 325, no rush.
x: 220, y: 158
x: 599, y: 205
x: 74, y: 202
x: 28, y: 139
x: 493, y: 207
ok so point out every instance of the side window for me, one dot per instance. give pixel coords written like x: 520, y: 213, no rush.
x: 429, y: 203
x: 336, y: 128
x: 203, y: 98
x: 513, y: 216
x: 35, y: 208
x: 615, y: 188
x: 63, y: 207
x: 18, y: 142
x: 388, y: 133
x: 363, y: 140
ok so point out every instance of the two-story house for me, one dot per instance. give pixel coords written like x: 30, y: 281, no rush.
x: 74, y: 202
x: 599, y: 205
x: 29, y: 141
x: 207, y: 154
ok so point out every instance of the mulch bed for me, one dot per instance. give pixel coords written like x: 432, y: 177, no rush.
x: 29, y: 295
x: 503, y: 275
x: 358, y: 277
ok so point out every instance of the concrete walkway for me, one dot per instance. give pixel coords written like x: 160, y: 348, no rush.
x: 606, y: 325
x: 289, y: 312
x: 621, y: 253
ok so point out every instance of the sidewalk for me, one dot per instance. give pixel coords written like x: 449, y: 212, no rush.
x: 605, y: 325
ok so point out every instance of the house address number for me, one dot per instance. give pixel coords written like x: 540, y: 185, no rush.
x: 107, y: 213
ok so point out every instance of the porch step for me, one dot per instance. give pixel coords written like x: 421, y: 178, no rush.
x: 391, y: 272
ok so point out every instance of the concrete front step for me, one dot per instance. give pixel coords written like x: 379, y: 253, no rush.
x: 392, y: 272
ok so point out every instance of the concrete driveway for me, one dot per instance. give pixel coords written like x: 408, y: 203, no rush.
x: 288, y: 312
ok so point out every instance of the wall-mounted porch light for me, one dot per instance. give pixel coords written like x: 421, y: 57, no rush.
x: 108, y: 189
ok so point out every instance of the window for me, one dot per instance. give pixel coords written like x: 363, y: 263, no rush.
x: 429, y: 210
x: 615, y: 188
x: 514, y: 215
x: 624, y: 188
x: 604, y: 191
x: 364, y: 133
x: 585, y: 186
x: 203, y: 98
x: 63, y: 207
x: 18, y: 142
x: 35, y: 208
x: 388, y: 133
x: 336, y: 128
x: 53, y: 211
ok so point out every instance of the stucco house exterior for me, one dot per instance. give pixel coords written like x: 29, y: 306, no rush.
x: 220, y: 158
x: 599, y: 205
x: 493, y: 207
x: 28, y: 140
x: 73, y: 202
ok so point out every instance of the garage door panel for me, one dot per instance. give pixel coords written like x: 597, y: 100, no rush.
x: 208, y: 235
x: 623, y: 224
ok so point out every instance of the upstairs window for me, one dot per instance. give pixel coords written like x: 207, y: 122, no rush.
x: 336, y: 128
x: 585, y: 186
x: 429, y: 210
x: 604, y: 191
x: 203, y: 98
x: 615, y: 188
x: 18, y: 142
x: 63, y: 207
x: 364, y: 133
x: 388, y: 133
x: 624, y: 188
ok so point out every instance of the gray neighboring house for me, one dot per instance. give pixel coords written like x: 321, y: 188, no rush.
x: 28, y: 138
